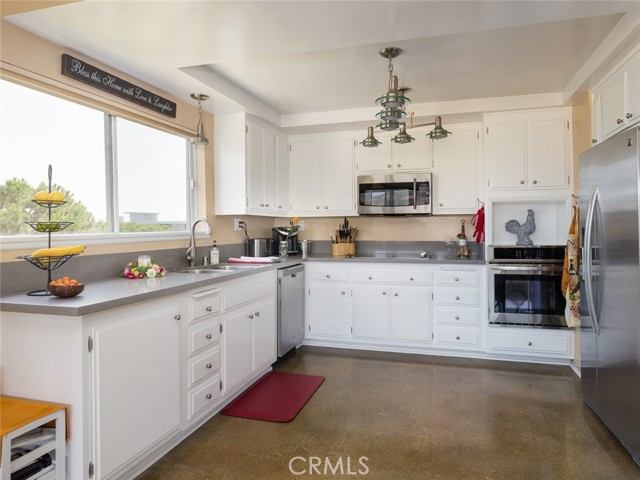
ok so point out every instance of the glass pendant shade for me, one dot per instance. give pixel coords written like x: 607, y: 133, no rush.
x: 391, y: 114
x: 438, y: 131
x: 370, y: 141
x: 394, y: 98
x: 388, y: 125
x: 403, y: 136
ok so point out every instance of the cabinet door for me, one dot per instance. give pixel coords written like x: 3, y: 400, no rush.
x: 413, y: 156
x: 374, y: 159
x: 282, y: 174
x: 136, y: 378
x: 256, y: 164
x: 612, y: 104
x: 370, y: 311
x: 505, y: 154
x: 411, y: 314
x: 547, y: 152
x: 338, y: 180
x: 328, y: 310
x: 237, y: 345
x: 264, y: 333
x: 269, y: 169
x: 596, y: 135
x: 456, y: 160
x: 304, y: 176
x: 632, y: 114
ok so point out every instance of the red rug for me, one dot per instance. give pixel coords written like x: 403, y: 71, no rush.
x: 277, y: 397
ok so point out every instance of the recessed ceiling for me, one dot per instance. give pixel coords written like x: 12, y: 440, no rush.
x: 296, y: 58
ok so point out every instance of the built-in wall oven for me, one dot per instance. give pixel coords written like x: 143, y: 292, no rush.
x: 525, y: 286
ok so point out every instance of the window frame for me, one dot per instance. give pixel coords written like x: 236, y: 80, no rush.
x: 27, y: 241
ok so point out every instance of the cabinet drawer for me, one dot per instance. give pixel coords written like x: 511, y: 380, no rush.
x: 204, y: 303
x: 453, y: 277
x: 464, y: 336
x: 234, y: 298
x: 531, y: 343
x: 457, y: 316
x: 201, y: 336
x: 457, y: 297
x: 391, y: 276
x: 204, y: 397
x: 204, y: 365
x: 329, y: 274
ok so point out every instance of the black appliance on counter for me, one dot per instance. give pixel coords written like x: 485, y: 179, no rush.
x: 279, y: 234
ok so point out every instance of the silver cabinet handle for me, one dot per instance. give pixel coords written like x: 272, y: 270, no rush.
x: 328, y: 275
x: 619, y: 121
x: 440, y: 204
x: 177, y: 317
x: 208, y: 396
x: 457, y: 297
x: 370, y: 277
x: 457, y: 317
x: 388, y: 165
x: 529, y: 343
x: 208, y: 336
x: 317, y: 207
x: 411, y: 279
x: 208, y: 365
x: 257, y: 314
x: 456, y: 279
x: 251, y: 316
x: 326, y: 207
x: 266, y: 205
x: 343, y: 292
x: 457, y: 337
x: 629, y: 115
x: 521, y: 182
x: 395, y: 294
x: 208, y: 309
x: 535, y: 182
x: 384, y: 293
x: 593, y: 140
x: 398, y: 165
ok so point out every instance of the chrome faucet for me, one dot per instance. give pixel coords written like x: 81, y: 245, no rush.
x: 191, y: 251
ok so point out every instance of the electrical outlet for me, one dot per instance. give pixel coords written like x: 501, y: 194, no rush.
x: 236, y: 223
x: 301, y: 225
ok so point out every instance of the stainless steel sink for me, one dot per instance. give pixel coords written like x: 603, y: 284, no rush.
x: 217, y: 269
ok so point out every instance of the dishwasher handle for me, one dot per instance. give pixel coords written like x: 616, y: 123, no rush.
x: 290, y: 271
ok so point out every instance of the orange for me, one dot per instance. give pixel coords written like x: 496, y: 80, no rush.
x: 73, y: 282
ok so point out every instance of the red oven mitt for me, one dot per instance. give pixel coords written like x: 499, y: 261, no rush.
x: 478, y: 222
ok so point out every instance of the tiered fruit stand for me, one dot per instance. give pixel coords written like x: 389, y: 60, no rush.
x: 49, y: 262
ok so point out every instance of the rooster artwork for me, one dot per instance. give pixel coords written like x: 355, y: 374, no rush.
x: 522, y: 231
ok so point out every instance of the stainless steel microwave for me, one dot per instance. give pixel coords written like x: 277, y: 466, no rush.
x: 394, y: 194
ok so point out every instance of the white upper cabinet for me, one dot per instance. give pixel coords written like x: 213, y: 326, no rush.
x: 247, y: 167
x: 456, y: 163
x: 617, y: 101
x: 321, y: 175
x: 530, y: 150
x: 394, y: 157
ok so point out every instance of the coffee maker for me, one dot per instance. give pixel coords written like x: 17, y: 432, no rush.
x: 279, y: 234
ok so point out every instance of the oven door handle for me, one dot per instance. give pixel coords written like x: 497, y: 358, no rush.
x: 415, y: 193
x: 587, y: 259
x: 528, y: 268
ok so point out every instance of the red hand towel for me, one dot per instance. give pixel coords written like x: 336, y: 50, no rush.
x: 478, y: 222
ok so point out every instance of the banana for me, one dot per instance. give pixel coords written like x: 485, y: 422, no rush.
x: 58, y: 251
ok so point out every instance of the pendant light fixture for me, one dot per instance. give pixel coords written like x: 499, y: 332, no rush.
x: 200, y: 139
x: 393, y: 112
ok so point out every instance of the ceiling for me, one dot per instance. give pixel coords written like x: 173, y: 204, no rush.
x: 307, y: 64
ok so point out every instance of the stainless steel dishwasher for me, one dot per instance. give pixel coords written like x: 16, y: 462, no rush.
x: 290, y: 307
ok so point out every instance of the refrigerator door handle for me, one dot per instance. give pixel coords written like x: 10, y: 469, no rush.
x: 587, y: 259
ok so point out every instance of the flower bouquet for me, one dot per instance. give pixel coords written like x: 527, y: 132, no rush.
x: 150, y: 270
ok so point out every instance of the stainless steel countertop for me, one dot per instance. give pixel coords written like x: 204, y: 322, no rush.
x: 117, y: 292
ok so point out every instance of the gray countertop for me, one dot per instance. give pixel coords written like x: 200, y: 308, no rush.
x: 116, y: 292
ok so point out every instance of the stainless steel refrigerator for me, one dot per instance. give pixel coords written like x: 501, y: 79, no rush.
x: 610, y: 288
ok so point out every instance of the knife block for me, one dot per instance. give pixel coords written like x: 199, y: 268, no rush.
x: 343, y: 249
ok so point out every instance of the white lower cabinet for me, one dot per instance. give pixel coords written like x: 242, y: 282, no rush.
x: 411, y: 314
x: 327, y: 302
x: 248, y: 329
x: 371, y: 311
x: 531, y: 342
x: 136, y: 382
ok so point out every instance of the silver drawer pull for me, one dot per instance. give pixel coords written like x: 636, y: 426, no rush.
x: 529, y: 343
x: 457, y: 297
x: 521, y: 182
x: 257, y: 314
x: 208, y: 396
x: 251, y: 316
x: 370, y: 277
x: 328, y: 275
x: 629, y: 115
x: 343, y: 292
x: 456, y: 279
x: 177, y: 317
x: 208, y: 365
x: 619, y: 121
x: 457, y: 317
x: 208, y: 309
x: 395, y: 294
x: 208, y: 336
x: 411, y: 279
x: 384, y: 293
x: 457, y: 337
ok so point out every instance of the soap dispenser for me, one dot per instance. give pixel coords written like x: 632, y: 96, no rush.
x: 214, y: 254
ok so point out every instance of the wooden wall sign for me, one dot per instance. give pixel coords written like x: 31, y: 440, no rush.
x: 83, y: 72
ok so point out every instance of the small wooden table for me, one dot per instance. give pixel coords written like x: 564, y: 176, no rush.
x: 19, y: 416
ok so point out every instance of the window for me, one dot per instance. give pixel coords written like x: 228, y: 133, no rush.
x: 118, y: 176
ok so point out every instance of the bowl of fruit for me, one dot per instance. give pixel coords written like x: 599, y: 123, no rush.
x: 65, y: 287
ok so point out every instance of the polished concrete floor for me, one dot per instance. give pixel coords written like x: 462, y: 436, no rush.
x: 400, y: 417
